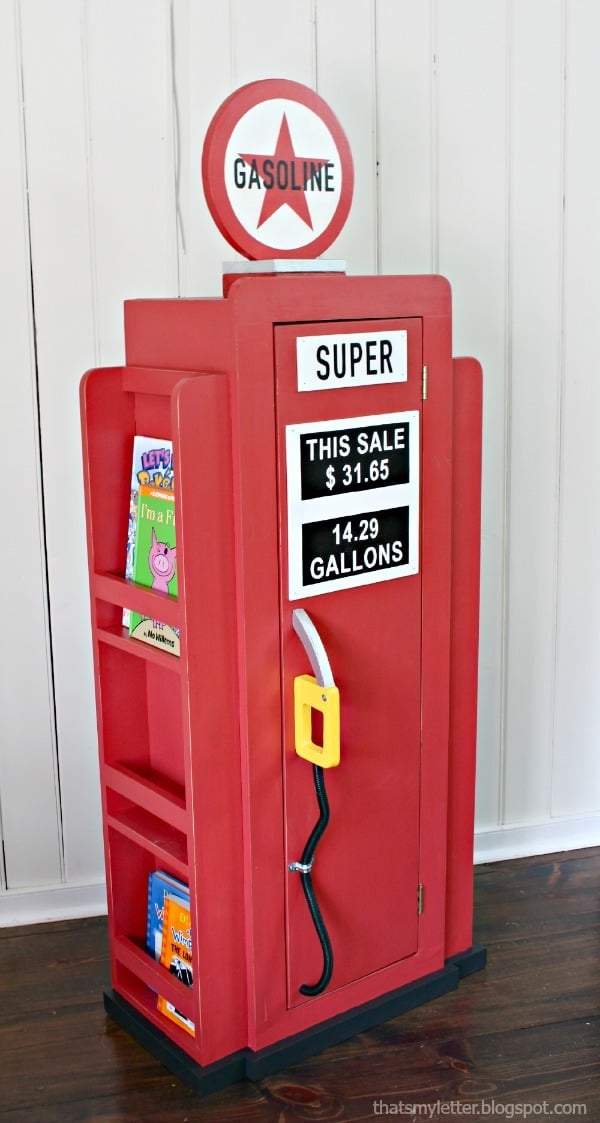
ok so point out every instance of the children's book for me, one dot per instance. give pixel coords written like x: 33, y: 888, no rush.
x: 176, y: 954
x: 160, y: 884
x: 155, y: 563
x: 151, y: 466
x: 164, y: 888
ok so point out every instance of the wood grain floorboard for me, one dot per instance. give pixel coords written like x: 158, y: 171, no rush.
x: 520, y: 1039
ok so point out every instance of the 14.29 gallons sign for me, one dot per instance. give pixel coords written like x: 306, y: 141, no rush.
x: 353, y: 502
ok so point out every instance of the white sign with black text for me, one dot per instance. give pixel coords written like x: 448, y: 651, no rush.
x: 353, y: 502
x: 335, y: 362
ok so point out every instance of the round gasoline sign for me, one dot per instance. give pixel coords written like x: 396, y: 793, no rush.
x: 277, y: 171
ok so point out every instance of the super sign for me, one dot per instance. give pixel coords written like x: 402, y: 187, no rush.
x: 277, y: 171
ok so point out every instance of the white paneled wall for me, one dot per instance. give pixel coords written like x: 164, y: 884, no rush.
x: 534, y: 375
x: 472, y: 128
x: 472, y: 189
x: 63, y: 290
x: 575, y: 774
x: 28, y: 769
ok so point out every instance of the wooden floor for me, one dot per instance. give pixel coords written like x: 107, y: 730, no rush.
x: 520, y: 1039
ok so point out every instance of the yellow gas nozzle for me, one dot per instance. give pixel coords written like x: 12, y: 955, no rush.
x: 309, y: 695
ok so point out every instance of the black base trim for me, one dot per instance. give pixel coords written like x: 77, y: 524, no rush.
x: 469, y: 961
x: 205, y: 1079
x: 202, y: 1079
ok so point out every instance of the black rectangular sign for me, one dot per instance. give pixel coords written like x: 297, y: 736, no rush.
x: 339, y: 461
x: 355, y: 546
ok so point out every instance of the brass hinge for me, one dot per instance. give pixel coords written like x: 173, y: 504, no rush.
x: 420, y: 899
x: 424, y: 384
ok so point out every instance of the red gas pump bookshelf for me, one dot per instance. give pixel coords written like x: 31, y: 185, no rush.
x: 199, y: 771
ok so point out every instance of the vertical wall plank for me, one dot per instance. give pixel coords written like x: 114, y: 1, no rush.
x: 203, y: 79
x: 473, y: 175
x: 28, y: 794
x: 229, y: 45
x: 59, y: 187
x: 272, y: 40
x: 576, y: 765
x: 346, y: 80
x: 130, y: 107
x: 535, y: 250
x: 406, y: 131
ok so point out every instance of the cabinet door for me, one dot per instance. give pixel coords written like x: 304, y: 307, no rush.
x: 348, y: 423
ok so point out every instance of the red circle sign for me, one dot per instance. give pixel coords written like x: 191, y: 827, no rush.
x: 277, y: 171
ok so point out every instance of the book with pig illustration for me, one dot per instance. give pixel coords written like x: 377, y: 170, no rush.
x: 151, y: 466
x: 155, y: 563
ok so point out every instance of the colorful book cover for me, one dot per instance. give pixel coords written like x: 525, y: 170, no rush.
x: 176, y: 955
x: 155, y: 563
x: 160, y: 884
x: 151, y: 466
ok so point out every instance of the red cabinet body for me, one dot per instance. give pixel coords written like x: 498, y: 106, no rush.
x: 312, y: 472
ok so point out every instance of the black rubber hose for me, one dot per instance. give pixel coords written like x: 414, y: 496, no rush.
x: 307, y: 885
